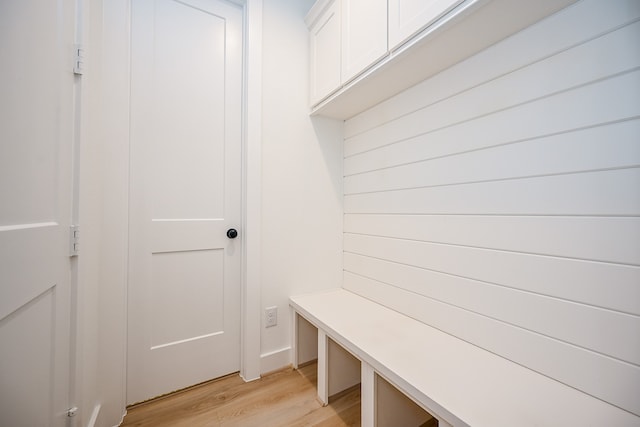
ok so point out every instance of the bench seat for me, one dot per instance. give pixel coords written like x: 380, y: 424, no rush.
x: 458, y: 383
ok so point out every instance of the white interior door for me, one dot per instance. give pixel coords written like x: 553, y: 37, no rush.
x: 184, y: 280
x: 36, y: 132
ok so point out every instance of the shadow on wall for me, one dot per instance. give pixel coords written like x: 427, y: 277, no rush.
x: 330, y: 138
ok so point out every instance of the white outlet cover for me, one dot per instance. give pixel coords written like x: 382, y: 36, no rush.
x: 270, y: 316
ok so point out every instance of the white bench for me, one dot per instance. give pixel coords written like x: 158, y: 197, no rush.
x: 456, y: 382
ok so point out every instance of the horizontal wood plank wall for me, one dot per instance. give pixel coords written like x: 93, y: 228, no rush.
x: 499, y: 201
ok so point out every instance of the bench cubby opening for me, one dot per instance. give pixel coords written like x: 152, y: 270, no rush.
x: 338, y: 370
x: 394, y: 409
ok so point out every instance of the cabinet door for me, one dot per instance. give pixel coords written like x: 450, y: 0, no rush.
x: 407, y: 17
x: 364, y: 35
x: 325, y: 53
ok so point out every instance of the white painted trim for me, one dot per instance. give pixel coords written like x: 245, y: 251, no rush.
x: 316, y: 11
x: 250, y: 368
x: 323, y: 367
x: 367, y: 395
x: 294, y: 338
x: 111, y: 68
x: 275, y: 360
x: 125, y: 243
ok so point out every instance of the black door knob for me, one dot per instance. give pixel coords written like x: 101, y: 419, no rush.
x: 232, y: 233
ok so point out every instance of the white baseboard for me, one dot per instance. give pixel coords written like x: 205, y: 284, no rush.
x: 121, y: 419
x: 275, y: 360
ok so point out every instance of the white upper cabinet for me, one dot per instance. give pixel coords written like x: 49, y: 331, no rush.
x: 348, y: 37
x: 408, y: 17
x: 366, y: 51
x: 364, y: 35
x: 325, y: 51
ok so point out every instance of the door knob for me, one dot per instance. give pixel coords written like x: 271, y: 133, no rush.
x: 232, y: 233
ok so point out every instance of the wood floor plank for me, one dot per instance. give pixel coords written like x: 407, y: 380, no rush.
x: 285, y: 398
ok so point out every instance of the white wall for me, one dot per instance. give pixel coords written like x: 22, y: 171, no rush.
x: 301, y: 178
x: 499, y: 201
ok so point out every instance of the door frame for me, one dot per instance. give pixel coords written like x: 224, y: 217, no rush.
x: 250, y: 327
x: 115, y: 71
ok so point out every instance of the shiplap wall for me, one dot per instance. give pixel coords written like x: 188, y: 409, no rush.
x: 499, y: 201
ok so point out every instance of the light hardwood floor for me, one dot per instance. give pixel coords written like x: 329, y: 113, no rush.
x: 285, y: 398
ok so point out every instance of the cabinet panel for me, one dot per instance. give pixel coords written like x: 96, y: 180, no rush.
x: 407, y: 17
x: 364, y: 35
x: 325, y: 53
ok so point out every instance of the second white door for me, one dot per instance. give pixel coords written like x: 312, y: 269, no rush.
x: 185, y: 194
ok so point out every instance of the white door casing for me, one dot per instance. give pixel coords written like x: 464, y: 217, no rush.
x: 36, y: 143
x: 185, y: 193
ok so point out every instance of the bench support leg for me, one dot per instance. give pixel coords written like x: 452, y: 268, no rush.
x: 294, y: 338
x: 323, y: 371
x: 368, y: 395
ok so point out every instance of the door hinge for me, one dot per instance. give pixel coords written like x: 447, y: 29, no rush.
x: 78, y: 59
x: 71, y: 412
x: 74, y: 240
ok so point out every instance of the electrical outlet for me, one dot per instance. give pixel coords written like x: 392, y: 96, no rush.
x: 270, y: 317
